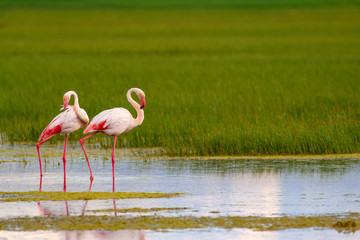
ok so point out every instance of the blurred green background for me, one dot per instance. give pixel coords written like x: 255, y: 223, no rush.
x: 220, y: 77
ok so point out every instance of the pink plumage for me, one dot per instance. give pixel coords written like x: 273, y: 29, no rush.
x: 50, y: 129
x: 113, y: 122
x: 66, y: 122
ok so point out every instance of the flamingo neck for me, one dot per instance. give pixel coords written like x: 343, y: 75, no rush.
x: 77, y: 108
x: 76, y: 100
x: 140, y: 113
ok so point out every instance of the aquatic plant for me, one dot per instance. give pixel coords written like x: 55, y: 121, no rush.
x: 349, y: 222
x: 140, y: 210
x: 63, y: 196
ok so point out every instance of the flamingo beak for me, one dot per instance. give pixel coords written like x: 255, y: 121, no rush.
x: 143, y: 103
x: 65, y: 106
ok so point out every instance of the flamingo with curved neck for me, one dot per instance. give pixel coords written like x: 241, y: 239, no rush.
x: 65, y: 123
x: 113, y: 122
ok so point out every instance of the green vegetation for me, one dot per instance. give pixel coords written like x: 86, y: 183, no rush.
x: 171, y: 4
x: 349, y: 223
x: 218, y: 80
x: 64, y: 196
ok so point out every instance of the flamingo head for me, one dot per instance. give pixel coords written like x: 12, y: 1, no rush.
x: 141, y: 96
x: 66, y: 100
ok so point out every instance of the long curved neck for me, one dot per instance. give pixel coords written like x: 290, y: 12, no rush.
x: 77, y: 108
x: 76, y: 101
x: 140, y: 113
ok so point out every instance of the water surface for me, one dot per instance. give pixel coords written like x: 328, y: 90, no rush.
x: 214, y: 187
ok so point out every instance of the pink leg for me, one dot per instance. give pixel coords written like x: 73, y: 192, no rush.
x: 91, y: 183
x: 113, y: 163
x: 40, y: 187
x: 64, y: 161
x: 87, y: 159
x: 38, y: 150
x: 114, y: 201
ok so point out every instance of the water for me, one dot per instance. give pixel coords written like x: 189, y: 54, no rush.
x: 215, y: 187
x: 208, y: 234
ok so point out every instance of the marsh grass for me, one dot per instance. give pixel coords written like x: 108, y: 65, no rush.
x: 217, y: 82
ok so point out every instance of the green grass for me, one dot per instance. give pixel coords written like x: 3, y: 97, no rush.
x: 171, y: 4
x: 230, y: 81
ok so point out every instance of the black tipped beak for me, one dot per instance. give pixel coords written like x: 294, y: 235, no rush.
x: 143, y: 103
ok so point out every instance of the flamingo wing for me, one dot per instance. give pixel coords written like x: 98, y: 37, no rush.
x: 70, y: 121
x: 53, y: 128
x: 64, y: 123
x: 111, y: 122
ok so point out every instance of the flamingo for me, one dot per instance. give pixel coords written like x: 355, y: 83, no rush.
x: 66, y: 122
x: 113, y: 122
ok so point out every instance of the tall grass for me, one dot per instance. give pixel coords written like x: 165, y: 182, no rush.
x: 217, y: 82
x: 171, y: 4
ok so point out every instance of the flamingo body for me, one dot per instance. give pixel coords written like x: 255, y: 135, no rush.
x: 64, y: 123
x: 111, y: 122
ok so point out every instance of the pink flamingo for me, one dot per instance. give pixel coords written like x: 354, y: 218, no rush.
x: 113, y: 122
x: 66, y: 122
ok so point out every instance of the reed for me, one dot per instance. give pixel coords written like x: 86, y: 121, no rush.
x: 229, y: 81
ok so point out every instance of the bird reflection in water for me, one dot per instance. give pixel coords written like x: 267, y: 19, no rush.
x: 90, y: 235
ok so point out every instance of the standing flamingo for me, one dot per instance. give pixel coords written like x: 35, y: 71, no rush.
x: 66, y: 122
x: 113, y: 122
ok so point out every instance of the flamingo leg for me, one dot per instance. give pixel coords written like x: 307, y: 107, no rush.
x: 91, y: 184
x: 87, y: 159
x: 40, y: 187
x: 113, y: 163
x: 38, y: 150
x: 64, y: 161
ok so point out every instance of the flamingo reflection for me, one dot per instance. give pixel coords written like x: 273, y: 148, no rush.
x: 96, y: 235
x: 123, y: 234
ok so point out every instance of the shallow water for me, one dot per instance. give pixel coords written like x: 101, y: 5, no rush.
x: 207, y: 234
x: 214, y: 188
